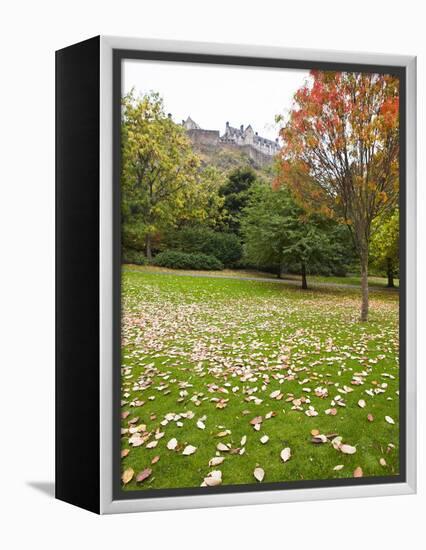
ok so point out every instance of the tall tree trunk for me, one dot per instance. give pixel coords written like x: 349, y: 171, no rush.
x: 148, y: 246
x: 304, y: 281
x: 364, y: 286
x: 389, y: 271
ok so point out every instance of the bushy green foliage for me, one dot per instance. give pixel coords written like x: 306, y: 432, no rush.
x: 175, y: 259
x: 226, y: 247
x: 384, y: 248
x: 276, y: 231
x: 163, y: 181
x: 130, y: 256
x: 236, y: 192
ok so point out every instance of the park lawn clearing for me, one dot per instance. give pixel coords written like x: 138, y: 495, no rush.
x: 211, y: 366
x: 351, y: 280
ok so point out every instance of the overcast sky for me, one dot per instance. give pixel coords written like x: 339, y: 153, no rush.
x: 214, y: 94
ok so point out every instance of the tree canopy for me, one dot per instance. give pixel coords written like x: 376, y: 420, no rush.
x: 340, y: 153
x: 280, y: 234
x: 163, y: 181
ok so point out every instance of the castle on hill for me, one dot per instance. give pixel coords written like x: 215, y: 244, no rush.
x: 260, y: 149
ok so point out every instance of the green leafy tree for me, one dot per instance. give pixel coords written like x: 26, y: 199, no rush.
x: 235, y: 193
x: 162, y: 180
x: 385, y: 246
x: 277, y: 232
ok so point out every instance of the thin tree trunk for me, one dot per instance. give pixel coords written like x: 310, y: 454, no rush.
x: 389, y: 272
x: 280, y: 270
x: 364, y: 286
x: 304, y: 281
x: 148, y: 246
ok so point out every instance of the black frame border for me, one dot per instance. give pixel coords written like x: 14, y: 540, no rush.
x: 119, y: 55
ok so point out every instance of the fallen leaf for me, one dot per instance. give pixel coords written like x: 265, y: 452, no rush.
x: 259, y: 473
x: 358, y: 472
x: 143, y: 475
x: 361, y: 403
x: 370, y: 417
x: 389, y: 420
x: 347, y: 449
x: 189, y: 450
x: 172, y: 444
x: 216, y: 460
x: 382, y: 462
x: 285, y: 454
x: 320, y: 438
x: 127, y: 475
x: 338, y: 467
x: 214, y: 478
x: 315, y: 432
x: 264, y: 439
x: 124, y: 453
x: 155, y: 459
x: 256, y: 420
x: 152, y: 444
x: 222, y: 447
x: 201, y: 425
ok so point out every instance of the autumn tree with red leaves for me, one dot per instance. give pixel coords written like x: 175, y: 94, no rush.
x: 341, y: 150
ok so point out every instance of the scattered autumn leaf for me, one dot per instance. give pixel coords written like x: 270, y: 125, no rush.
x: 127, y: 475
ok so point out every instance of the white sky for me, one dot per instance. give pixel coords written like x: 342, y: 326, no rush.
x: 214, y: 94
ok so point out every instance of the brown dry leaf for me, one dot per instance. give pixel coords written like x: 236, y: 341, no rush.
x: 222, y: 447
x: 259, y: 473
x: 155, y: 459
x: 256, y: 420
x: 370, y: 417
x: 143, y: 475
x: 358, y: 472
x: 124, y: 453
x: 127, y: 475
x: 315, y: 432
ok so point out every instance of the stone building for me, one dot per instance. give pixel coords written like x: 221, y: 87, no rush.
x: 259, y: 149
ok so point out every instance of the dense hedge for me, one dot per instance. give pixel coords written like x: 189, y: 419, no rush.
x: 183, y: 260
x: 226, y: 247
x: 130, y: 256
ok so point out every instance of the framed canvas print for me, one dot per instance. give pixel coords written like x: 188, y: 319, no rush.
x: 235, y: 284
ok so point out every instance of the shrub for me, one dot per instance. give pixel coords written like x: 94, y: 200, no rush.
x: 130, y: 256
x: 184, y: 260
x: 226, y: 247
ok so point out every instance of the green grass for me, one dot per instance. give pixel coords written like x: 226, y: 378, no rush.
x: 186, y: 340
x: 352, y: 280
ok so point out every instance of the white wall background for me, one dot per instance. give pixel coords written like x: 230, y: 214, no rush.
x: 29, y: 33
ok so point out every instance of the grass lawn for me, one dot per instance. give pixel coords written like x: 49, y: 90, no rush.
x: 352, y: 280
x: 216, y: 353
